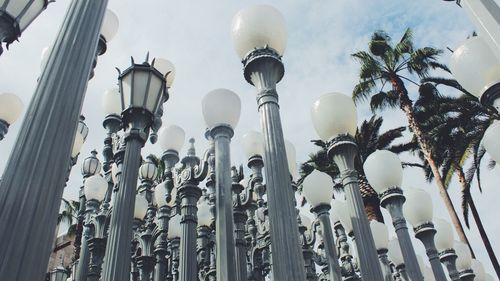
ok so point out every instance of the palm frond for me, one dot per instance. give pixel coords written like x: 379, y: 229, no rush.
x: 383, y: 100
x: 363, y: 90
x: 405, y: 45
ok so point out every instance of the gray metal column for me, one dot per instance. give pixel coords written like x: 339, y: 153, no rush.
x: 425, y: 233
x: 392, y: 200
x: 34, y: 177
x: 334, y: 271
x: 117, y: 257
x: 224, y: 230
x: 343, y: 151
x: 263, y: 69
x: 189, y: 193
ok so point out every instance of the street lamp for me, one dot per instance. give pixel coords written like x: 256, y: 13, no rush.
x: 259, y: 35
x: 343, y: 227
x: 418, y: 210
x: 444, y: 245
x: 142, y: 88
x: 318, y: 190
x: 381, y: 238
x: 11, y: 107
x: 464, y: 261
x: 221, y: 120
x: 477, y: 69
x: 94, y: 189
x: 16, y: 15
x: 334, y: 118
x: 385, y: 174
x: 59, y: 274
x: 396, y: 256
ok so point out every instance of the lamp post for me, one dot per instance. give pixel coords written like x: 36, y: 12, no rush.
x: 189, y: 192
x: 142, y: 88
x: 205, y: 220
x: 381, y: 237
x: 57, y: 101
x: 334, y: 118
x: 464, y: 261
x: 477, y: 69
x: 418, y: 210
x: 318, y: 190
x: 163, y: 217
x: 95, y: 189
x: 221, y: 121
x: 11, y: 107
x: 16, y: 16
x: 90, y: 167
x: 259, y: 34
x: 343, y: 228
x: 173, y: 235
x: 59, y: 273
x: 384, y: 172
x: 444, y: 244
x: 253, y: 146
x: 396, y: 257
x: 171, y: 141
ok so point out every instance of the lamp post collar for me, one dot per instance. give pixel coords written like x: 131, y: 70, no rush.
x: 259, y: 58
x: 390, y: 195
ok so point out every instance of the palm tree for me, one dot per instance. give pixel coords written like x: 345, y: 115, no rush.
x: 368, y: 138
x: 393, y: 65
x: 68, y: 214
x: 456, y: 127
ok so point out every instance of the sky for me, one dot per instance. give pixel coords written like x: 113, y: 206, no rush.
x: 195, y: 36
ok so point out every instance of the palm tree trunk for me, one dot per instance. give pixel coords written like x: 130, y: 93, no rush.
x: 370, y: 199
x: 372, y: 209
x: 407, y: 107
x: 479, y: 223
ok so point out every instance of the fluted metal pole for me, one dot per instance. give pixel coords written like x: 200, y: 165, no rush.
x: 425, y: 233
x: 343, y: 151
x: 323, y: 215
x: 264, y: 69
x: 224, y: 234
x: 392, y: 200
x: 189, y: 194
x: 42, y: 150
x: 448, y: 258
x: 117, y: 257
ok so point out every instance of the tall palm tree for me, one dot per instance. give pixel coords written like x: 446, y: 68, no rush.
x: 391, y: 66
x: 368, y: 138
x: 456, y: 126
